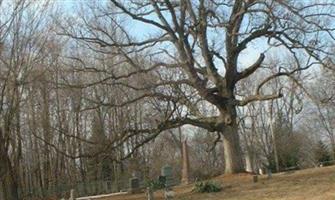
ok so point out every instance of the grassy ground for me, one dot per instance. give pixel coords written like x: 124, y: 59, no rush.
x: 316, y: 184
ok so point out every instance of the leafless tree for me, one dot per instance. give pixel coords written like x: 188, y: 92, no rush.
x: 205, y: 42
x: 321, y: 110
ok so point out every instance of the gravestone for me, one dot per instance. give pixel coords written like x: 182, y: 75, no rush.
x: 248, y: 164
x: 166, y: 171
x: 255, y: 178
x: 109, y: 186
x: 71, y: 194
x: 261, y: 171
x: 186, y: 164
x: 134, y: 185
x: 269, y: 174
x: 150, y: 193
x: 169, y: 194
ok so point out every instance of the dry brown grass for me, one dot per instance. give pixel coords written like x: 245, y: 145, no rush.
x: 310, y: 184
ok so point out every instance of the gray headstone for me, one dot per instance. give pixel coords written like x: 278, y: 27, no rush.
x: 134, y: 185
x: 166, y: 171
x: 255, y: 178
x: 269, y: 174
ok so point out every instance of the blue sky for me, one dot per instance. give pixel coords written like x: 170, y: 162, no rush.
x: 140, y: 31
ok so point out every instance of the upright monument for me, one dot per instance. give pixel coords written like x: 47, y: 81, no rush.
x: 185, y: 174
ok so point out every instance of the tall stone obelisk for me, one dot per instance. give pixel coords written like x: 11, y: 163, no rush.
x: 185, y: 173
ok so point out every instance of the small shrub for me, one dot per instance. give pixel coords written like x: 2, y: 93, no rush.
x: 155, y: 184
x: 207, y: 187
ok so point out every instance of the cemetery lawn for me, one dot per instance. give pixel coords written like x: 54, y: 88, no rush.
x: 311, y: 184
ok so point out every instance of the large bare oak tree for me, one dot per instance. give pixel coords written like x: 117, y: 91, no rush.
x: 203, y: 43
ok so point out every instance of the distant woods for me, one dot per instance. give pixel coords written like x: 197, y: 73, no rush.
x: 107, y: 89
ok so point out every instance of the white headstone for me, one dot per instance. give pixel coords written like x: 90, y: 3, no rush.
x: 261, y: 171
x: 169, y: 194
x: 71, y: 194
x: 150, y: 193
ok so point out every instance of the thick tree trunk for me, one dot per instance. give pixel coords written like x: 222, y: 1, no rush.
x: 232, y: 150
